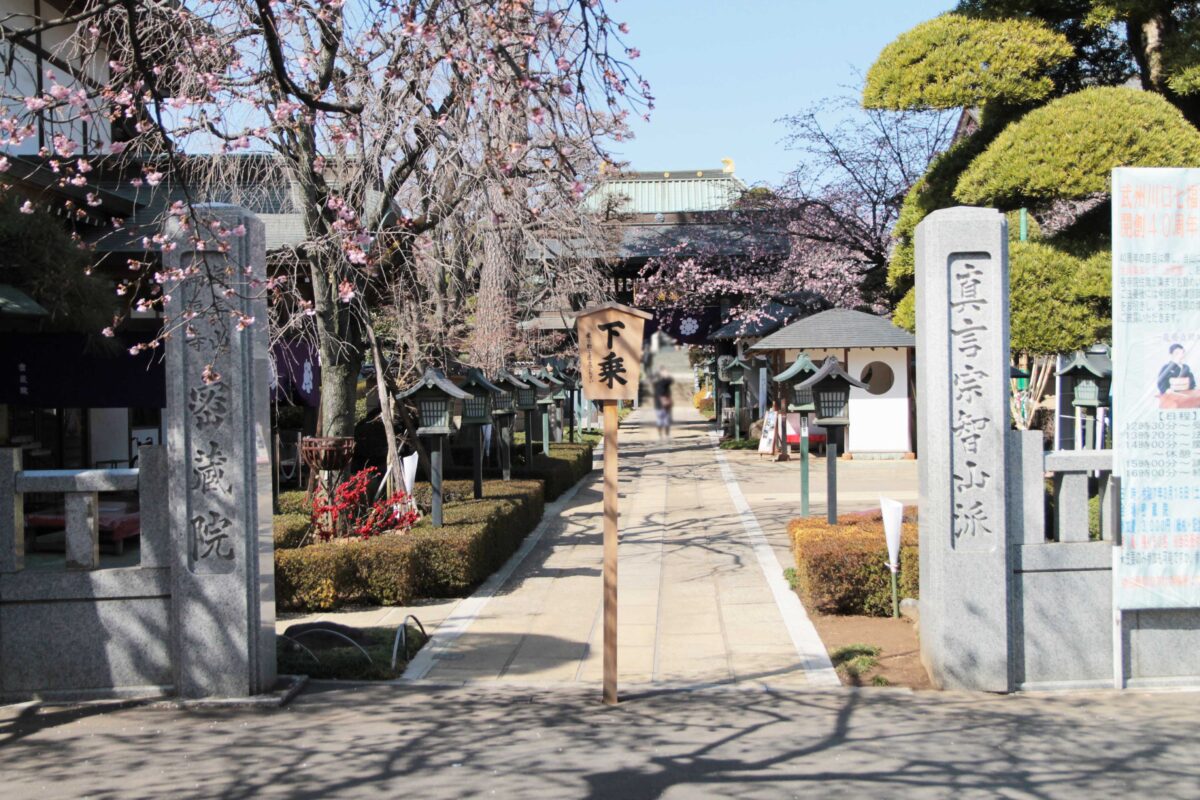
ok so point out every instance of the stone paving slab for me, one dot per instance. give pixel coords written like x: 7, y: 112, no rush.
x: 686, y: 568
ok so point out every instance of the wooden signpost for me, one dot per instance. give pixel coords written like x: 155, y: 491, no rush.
x: 610, y: 366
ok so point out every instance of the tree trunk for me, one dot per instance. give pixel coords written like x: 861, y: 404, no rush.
x: 385, y: 413
x: 340, y: 341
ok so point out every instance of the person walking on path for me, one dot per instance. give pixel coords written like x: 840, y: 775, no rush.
x: 662, y: 402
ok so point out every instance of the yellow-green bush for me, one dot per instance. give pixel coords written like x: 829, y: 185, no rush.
x: 289, y: 530
x: 294, y: 502
x: 842, y: 569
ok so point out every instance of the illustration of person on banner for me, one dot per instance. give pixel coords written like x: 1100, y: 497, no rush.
x: 1175, y: 375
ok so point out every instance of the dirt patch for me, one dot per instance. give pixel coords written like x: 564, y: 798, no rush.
x: 899, y: 658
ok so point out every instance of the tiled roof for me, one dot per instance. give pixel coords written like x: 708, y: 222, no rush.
x: 838, y: 327
x: 667, y: 191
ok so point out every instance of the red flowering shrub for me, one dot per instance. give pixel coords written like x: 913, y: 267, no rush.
x: 351, y: 515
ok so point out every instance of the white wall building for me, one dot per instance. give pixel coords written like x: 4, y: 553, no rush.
x: 871, y: 349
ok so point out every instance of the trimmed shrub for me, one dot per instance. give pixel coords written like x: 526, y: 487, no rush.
x: 289, y: 530
x: 842, y: 569
x: 477, y: 537
x: 566, y: 465
x: 295, y: 502
x: 316, y: 578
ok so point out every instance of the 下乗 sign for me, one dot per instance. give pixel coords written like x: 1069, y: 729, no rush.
x: 610, y: 351
x: 610, y: 360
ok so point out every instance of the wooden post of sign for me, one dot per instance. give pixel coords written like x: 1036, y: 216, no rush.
x: 610, y: 552
x: 610, y: 360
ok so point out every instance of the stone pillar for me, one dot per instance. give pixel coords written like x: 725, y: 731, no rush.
x: 219, y: 469
x: 962, y: 419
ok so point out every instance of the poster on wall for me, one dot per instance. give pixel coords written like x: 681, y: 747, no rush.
x: 1156, y: 399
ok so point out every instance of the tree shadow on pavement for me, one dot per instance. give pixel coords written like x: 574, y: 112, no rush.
x: 425, y: 741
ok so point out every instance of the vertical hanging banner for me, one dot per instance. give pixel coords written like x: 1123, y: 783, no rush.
x: 610, y: 360
x: 1156, y: 398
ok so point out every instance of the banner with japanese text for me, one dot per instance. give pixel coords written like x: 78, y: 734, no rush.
x: 1156, y: 401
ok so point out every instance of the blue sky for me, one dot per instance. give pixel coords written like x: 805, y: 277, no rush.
x: 722, y: 72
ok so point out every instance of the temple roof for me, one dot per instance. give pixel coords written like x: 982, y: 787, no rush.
x: 667, y: 191
x: 838, y: 327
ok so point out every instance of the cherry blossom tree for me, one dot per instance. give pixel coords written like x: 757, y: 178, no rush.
x: 827, y: 230
x: 399, y: 121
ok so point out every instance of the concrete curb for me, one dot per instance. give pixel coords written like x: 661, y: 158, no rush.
x: 470, y: 608
x: 814, y: 658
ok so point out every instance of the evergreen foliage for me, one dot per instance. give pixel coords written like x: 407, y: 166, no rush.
x: 41, y: 259
x: 1047, y: 314
x: 1068, y: 147
x: 954, y: 61
x: 1048, y: 150
x: 1059, y: 301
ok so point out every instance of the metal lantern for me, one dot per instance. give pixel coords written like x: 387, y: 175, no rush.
x: 1091, y: 374
x: 508, y: 387
x: 542, y: 389
x: 793, y: 376
x: 830, y: 386
x: 477, y: 409
x: 723, y: 363
x: 528, y: 397
x: 557, y: 385
x: 736, y: 371
x: 433, y: 393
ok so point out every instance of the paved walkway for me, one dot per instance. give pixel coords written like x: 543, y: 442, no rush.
x: 502, y: 741
x: 698, y: 602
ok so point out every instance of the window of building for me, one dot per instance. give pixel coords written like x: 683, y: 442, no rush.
x: 878, y: 377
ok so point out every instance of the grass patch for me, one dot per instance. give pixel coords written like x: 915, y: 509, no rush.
x: 345, y: 661
x: 855, y: 660
x: 792, y: 579
x: 739, y: 444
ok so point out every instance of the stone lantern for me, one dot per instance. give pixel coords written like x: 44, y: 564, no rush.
x: 433, y: 394
x: 477, y: 412
x: 569, y: 375
x: 830, y: 386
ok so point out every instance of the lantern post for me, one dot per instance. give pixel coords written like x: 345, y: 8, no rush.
x: 610, y: 362
x: 504, y: 408
x: 830, y: 387
x: 1090, y: 375
x: 549, y: 402
x: 433, y: 393
x: 801, y: 401
x: 477, y: 412
x: 527, y: 401
x: 736, y: 370
x: 570, y: 378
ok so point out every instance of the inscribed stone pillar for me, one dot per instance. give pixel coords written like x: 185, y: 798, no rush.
x: 962, y: 418
x: 223, y: 582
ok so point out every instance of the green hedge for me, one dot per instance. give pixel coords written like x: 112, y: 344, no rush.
x: 566, y: 465
x: 294, y: 502
x: 842, y: 569
x: 290, y: 529
x: 477, y: 538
